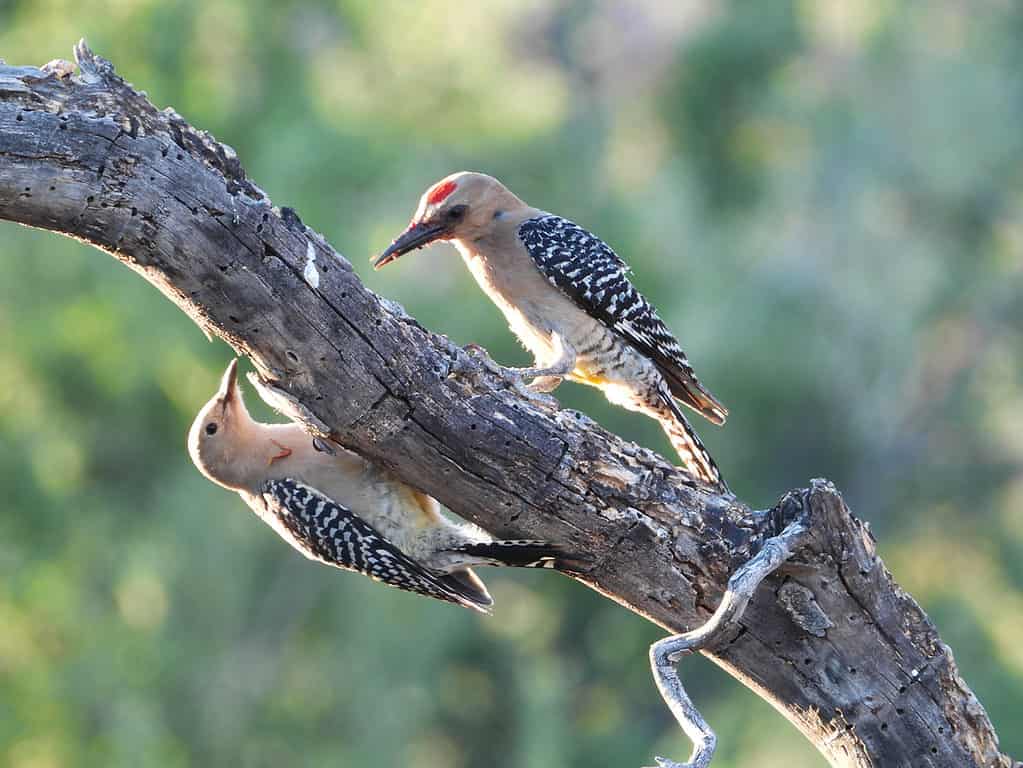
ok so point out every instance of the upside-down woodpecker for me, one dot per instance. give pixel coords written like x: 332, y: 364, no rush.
x: 337, y: 508
x: 568, y: 298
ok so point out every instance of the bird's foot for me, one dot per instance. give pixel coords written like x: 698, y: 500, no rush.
x: 535, y: 391
x: 545, y: 384
x: 467, y: 361
x: 480, y: 353
x: 665, y: 654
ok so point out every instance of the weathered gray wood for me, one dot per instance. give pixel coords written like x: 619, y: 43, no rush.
x: 831, y: 640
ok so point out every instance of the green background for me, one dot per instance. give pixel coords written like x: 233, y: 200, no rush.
x: 823, y: 199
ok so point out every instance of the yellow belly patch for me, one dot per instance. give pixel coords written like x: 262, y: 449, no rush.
x: 588, y: 377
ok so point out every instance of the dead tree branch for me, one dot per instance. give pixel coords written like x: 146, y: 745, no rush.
x: 829, y: 639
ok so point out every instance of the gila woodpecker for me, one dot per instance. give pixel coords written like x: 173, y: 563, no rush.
x: 339, y: 509
x: 568, y: 298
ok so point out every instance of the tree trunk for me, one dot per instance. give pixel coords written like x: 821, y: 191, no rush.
x: 830, y: 639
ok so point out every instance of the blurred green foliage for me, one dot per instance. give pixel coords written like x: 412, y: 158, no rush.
x: 823, y: 198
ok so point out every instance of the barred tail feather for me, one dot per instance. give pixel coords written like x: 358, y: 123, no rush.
x: 516, y: 553
x: 468, y: 585
x: 690, y: 391
x: 694, y: 455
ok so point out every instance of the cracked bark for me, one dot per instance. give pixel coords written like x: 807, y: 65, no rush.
x: 830, y: 639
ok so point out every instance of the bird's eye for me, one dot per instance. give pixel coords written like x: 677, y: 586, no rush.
x: 457, y: 212
x: 211, y: 428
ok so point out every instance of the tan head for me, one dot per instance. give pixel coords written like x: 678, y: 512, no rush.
x: 221, y: 433
x: 462, y: 206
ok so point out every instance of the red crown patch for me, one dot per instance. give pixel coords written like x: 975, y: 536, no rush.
x: 441, y: 191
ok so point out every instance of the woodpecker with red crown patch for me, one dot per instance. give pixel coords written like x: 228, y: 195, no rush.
x: 567, y: 297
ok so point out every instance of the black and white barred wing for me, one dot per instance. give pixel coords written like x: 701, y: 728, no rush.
x: 596, y: 279
x: 324, y: 530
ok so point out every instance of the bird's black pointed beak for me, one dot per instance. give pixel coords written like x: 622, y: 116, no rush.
x: 229, y: 383
x: 416, y: 236
x: 229, y: 380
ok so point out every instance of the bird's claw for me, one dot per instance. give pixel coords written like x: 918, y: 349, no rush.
x: 480, y: 355
x: 533, y: 395
x: 535, y: 391
x: 545, y: 384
